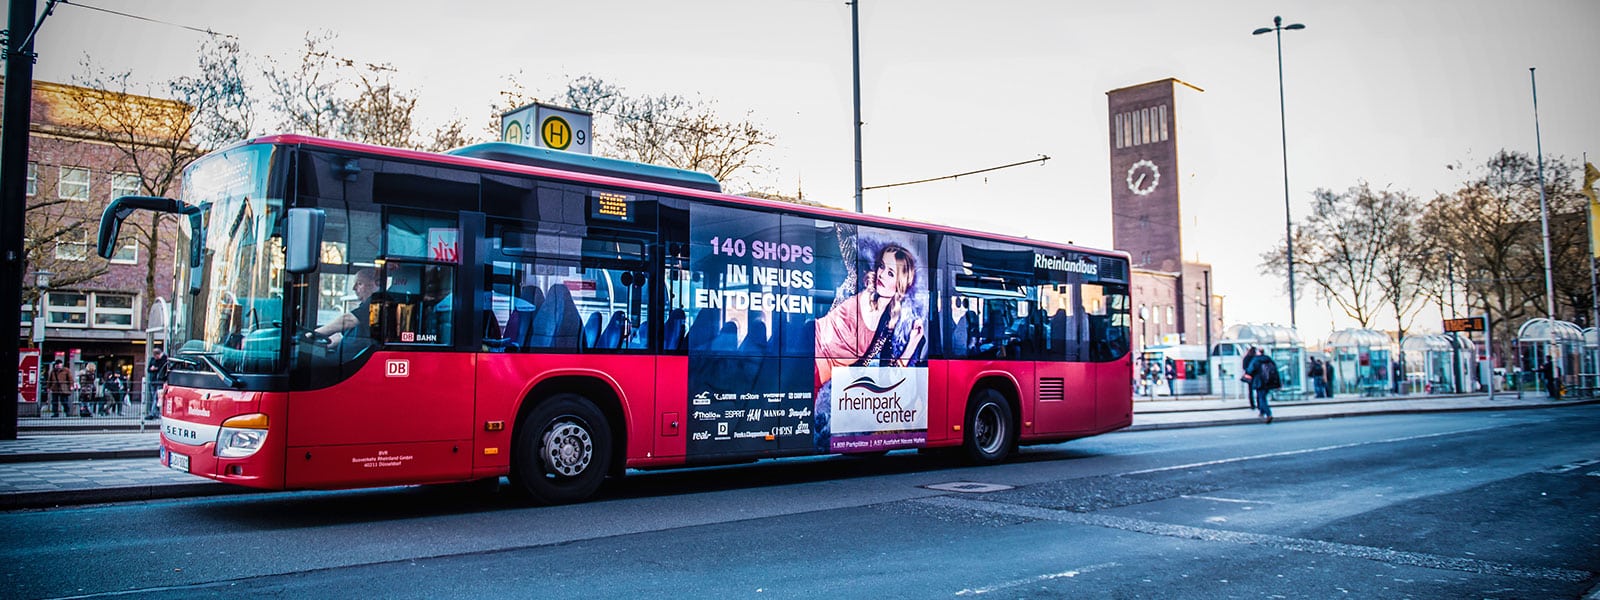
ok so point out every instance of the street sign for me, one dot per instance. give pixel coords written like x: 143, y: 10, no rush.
x: 1467, y: 324
x: 545, y: 126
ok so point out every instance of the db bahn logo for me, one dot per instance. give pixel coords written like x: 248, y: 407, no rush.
x: 397, y: 368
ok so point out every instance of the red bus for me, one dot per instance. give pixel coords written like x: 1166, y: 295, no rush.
x: 352, y: 316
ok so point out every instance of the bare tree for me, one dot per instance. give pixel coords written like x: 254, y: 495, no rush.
x: 55, y: 225
x: 334, y: 97
x: 1491, y: 225
x: 666, y: 129
x: 157, y: 139
x: 1341, y: 248
x: 1406, y: 264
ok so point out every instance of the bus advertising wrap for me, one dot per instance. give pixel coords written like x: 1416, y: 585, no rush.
x: 804, y: 335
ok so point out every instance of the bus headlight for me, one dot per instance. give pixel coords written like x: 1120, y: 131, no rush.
x: 242, y: 436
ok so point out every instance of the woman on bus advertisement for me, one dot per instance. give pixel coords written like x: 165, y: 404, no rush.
x: 871, y: 386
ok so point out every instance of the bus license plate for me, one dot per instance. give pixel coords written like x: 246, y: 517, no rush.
x: 178, y: 461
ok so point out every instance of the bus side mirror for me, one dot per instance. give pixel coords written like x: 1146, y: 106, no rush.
x: 124, y: 207
x: 303, y: 240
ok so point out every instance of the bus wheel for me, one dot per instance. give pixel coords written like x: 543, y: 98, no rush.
x: 990, y: 427
x: 563, y: 450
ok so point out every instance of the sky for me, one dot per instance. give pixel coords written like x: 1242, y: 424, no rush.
x: 1388, y: 92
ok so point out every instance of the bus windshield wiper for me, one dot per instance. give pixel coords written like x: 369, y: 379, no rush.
x: 209, y: 359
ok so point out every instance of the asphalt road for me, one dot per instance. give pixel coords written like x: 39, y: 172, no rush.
x: 1481, y: 505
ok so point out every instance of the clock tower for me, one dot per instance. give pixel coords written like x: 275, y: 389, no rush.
x: 1172, y: 298
x: 1145, y: 218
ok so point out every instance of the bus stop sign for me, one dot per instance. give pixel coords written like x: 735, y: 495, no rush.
x: 1467, y: 324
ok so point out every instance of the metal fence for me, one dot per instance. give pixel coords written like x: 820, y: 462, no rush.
x: 83, y: 408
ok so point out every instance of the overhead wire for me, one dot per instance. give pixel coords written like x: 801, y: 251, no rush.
x: 148, y: 19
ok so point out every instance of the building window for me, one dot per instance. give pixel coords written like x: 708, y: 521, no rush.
x: 74, y: 245
x: 113, y: 311
x: 1116, y: 137
x: 67, y: 309
x: 124, y: 184
x: 1163, y: 122
x: 1169, y: 316
x: 127, y: 254
x: 1144, y: 122
x: 74, y: 184
x: 33, y: 178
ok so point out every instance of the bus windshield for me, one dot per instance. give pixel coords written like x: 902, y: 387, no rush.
x: 231, y: 318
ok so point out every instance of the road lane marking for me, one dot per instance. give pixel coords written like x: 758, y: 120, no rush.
x: 1031, y: 580
x: 1570, y: 467
x: 1224, y: 461
x: 1414, y: 559
x: 1216, y: 499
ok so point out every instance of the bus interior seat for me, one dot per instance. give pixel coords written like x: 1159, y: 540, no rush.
x: 959, y: 340
x: 533, y: 294
x: 755, y: 340
x: 703, y: 331
x: 673, y: 334
x: 612, y: 336
x: 727, y: 339
x: 591, y: 330
x: 556, y: 323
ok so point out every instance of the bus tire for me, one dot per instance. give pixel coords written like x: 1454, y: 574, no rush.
x: 991, y: 428
x: 563, y: 450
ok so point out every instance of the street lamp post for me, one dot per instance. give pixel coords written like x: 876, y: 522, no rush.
x: 1277, y: 29
x: 41, y: 280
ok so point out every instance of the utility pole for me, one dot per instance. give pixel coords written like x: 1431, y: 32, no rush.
x: 19, y: 59
x: 1544, y: 208
x: 855, y: 70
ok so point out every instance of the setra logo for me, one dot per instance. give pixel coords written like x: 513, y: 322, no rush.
x: 182, y: 434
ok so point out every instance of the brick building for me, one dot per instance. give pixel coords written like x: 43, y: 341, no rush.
x: 95, y: 310
x: 1172, y: 298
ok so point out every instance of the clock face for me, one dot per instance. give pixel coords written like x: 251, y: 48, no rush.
x: 1143, y: 177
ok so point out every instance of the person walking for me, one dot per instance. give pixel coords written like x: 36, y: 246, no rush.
x: 155, y: 377
x: 1263, y: 379
x: 1315, y: 373
x: 1552, y: 383
x: 1245, y: 365
x: 60, y: 384
x: 89, y: 398
x: 1171, y: 373
x: 116, y: 393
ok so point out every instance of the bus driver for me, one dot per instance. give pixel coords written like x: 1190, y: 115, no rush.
x: 357, y: 322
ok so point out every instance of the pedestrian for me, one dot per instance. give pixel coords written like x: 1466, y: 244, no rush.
x: 1315, y: 373
x: 1245, y: 364
x: 59, y: 382
x: 1264, y: 378
x: 89, y: 391
x: 155, y: 377
x: 116, y: 393
x: 1552, y: 383
x: 1172, y: 377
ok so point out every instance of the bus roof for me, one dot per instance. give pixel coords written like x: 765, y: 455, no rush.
x: 623, y: 177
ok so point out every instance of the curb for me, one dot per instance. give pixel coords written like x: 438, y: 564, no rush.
x: 1393, y: 411
x: 57, y: 498
x: 78, y: 455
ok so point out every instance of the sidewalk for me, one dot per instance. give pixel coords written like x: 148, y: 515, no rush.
x: 101, y: 462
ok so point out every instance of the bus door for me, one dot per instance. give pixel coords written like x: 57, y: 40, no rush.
x: 381, y: 395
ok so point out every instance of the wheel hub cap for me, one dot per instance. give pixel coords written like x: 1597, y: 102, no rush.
x: 568, y: 449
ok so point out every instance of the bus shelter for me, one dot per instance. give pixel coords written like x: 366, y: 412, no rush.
x: 1281, y: 343
x: 1538, y: 339
x: 1362, y: 362
x: 1438, y: 363
x: 1589, y: 377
